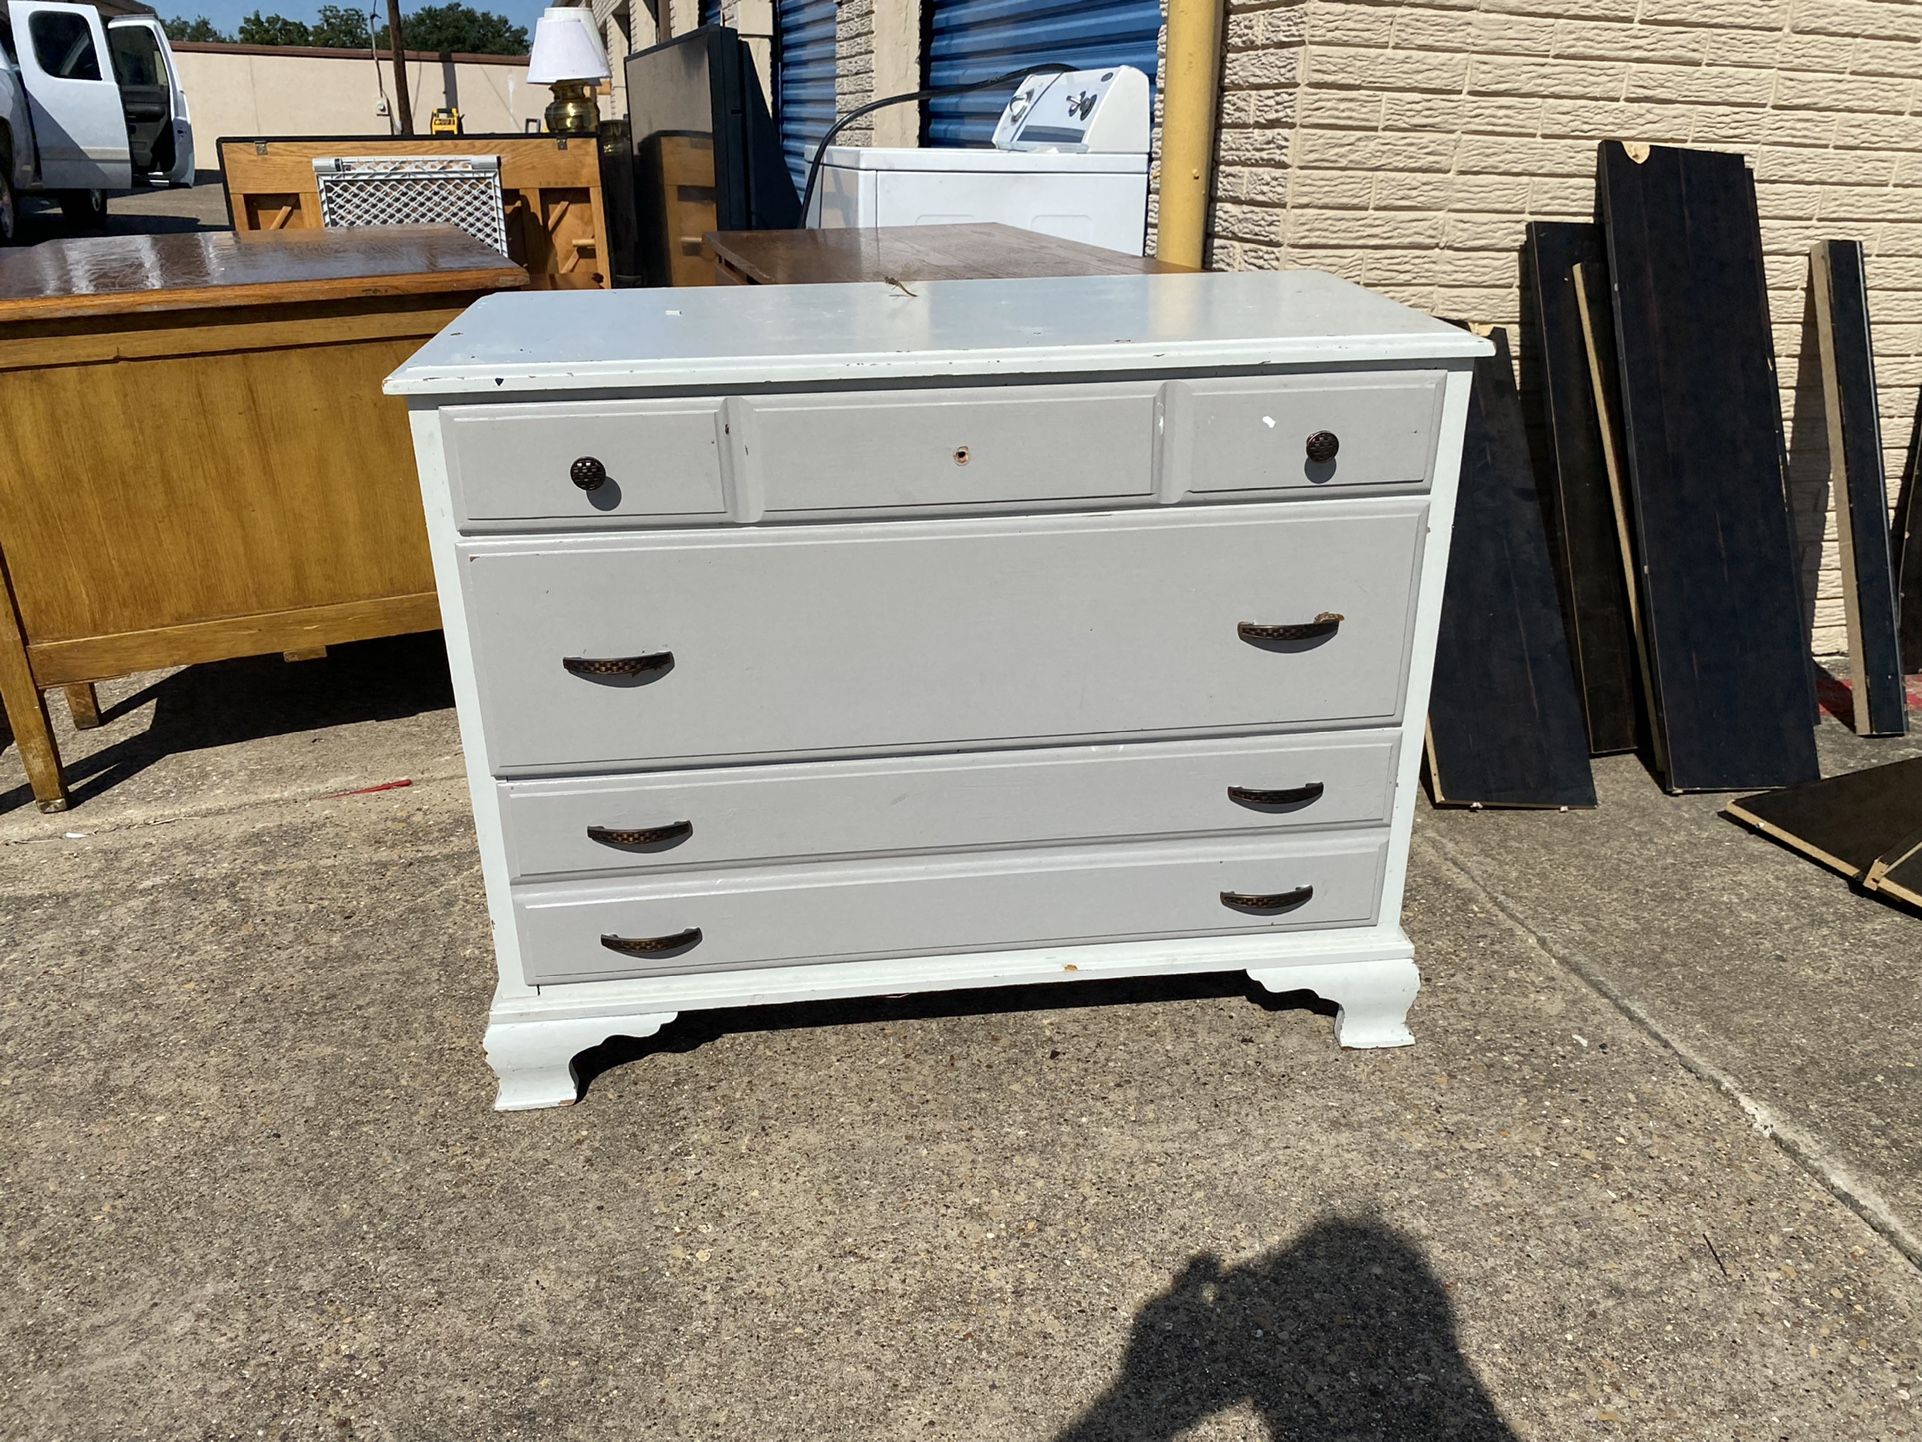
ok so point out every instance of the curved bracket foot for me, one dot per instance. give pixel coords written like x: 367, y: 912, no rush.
x: 1371, y: 997
x: 534, y: 1060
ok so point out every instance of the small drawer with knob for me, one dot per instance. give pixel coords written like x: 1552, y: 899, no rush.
x: 575, y: 463
x: 1234, y: 435
x: 948, y: 904
x: 758, y: 815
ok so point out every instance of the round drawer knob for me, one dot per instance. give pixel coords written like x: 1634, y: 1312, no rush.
x: 589, y: 474
x: 1322, y: 446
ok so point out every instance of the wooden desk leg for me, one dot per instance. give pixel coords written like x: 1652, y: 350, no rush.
x: 27, y: 711
x: 84, y: 702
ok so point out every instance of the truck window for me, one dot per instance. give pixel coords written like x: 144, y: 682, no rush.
x: 63, y: 44
x: 136, y: 56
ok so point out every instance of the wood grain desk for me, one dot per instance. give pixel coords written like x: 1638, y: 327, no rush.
x: 196, y: 460
x: 913, y: 252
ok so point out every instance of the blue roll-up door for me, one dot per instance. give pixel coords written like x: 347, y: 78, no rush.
x: 804, y: 79
x: 978, y: 39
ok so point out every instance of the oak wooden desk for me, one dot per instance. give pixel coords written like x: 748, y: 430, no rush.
x: 913, y: 252
x: 196, y: 460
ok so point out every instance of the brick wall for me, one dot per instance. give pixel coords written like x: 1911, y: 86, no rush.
x: 854, y: 66
x: 1405, y: 145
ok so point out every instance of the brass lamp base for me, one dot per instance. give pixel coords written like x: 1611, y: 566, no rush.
x: 573, y: 110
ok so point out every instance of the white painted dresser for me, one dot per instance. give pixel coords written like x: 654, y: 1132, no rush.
x: 816, y: 641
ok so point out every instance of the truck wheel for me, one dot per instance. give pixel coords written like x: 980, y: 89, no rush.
x: 9, y: 210
x: 84, y: 208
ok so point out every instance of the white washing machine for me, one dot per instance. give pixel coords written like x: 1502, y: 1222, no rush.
x: 1069, y: 158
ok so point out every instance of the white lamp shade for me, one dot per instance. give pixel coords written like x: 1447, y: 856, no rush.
x: 566, y: 48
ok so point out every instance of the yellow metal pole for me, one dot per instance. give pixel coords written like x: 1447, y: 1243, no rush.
x: 1193, y: 68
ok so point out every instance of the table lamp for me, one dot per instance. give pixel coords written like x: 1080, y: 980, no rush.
x: 568, y: 56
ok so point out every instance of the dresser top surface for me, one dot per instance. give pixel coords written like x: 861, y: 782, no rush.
x: 745, y: 335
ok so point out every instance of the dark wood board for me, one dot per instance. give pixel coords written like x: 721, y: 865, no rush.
x: 1906, y: 544
x: 1840, y: 289
x: 1597, y: 315
x: 1898, y: 871
x: 1585, y: 545
x: 1721, y: 602
x: 1847, y: 822
x: 1504, y: 717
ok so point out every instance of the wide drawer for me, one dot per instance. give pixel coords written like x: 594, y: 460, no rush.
x: 630, y: 824
x: 649, y: 652
x: 708, y: 460
x: 707, y: 921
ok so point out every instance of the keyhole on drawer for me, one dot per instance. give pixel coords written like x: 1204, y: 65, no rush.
x: 962, y: 455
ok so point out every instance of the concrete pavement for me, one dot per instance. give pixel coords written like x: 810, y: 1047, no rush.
x: 253, y: 1186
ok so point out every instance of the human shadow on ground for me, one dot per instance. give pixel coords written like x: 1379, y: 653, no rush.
x: 1345, y: 1333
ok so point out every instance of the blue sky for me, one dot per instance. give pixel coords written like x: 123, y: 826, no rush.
x: 226, y: 14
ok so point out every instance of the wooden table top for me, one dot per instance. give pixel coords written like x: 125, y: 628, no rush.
x: 132, y: 274
x: 983, y: 251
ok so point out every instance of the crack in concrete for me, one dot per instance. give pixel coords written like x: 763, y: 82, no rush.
x: 1804, y: 1149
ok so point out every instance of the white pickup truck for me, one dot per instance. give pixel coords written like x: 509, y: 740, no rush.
x: 87, y: 105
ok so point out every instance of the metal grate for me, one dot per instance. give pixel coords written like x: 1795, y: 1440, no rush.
x: 459, y: 190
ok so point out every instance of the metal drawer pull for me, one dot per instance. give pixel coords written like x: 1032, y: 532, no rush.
x: 652, y: 945
x: 1326, y: 624
x: 616, y: 668
x: 1323, y: 447
x: 1278, y: 901
x: 1288, y: 796
x: 641, y: 836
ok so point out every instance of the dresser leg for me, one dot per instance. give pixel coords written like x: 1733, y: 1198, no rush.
x: 534, y: 1060
x: 1371, y: 997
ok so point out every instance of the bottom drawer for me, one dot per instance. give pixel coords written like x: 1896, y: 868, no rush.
x: 933, y: 906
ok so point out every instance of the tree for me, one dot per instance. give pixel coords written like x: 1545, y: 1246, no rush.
x: 341, y: 27
x: 200, y: 29
x: 459, y: 28
x: 258, y: 29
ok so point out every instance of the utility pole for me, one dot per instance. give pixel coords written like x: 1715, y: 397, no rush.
x: 403, y: 104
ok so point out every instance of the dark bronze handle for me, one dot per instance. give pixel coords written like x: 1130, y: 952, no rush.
x: 640, y: 836
x: 1325, y: 624
x: 588, y: 473
x: 1322, y: 446
x: 1288, y: 796
x: 600, y: 667
x: 650, y: 945
x: 1277, y: 901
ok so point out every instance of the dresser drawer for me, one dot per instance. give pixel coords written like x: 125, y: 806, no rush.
x: 609, y: 826
x: 795, y: 642
x: 965, y: 449
x: 514, y: 463
x: 1243, y: 434
x: 779, y: 915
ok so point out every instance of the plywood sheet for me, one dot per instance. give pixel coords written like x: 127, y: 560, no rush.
x: 1504, y: 718
x: 1585, y: 545
x: 1846, y: 822
x: 1721, y: 602
x: 1836, y: 279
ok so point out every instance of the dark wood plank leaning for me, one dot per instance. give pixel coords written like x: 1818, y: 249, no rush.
x: 1905, y: 536
x: 1586, y: 549
x: 1836, y: 279
x: 1504, y: 718
x: 1721, y: 602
